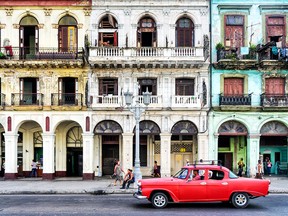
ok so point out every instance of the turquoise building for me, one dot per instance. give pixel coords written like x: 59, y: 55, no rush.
x: 249, y: 83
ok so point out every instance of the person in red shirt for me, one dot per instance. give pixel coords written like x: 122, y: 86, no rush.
x: 196, y: 175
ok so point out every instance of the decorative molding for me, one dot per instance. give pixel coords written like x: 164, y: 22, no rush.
x: 2, y: 26
x: 95, y: 26
x: 197, y: 26
x: 203, y: 11
x: 87, y: 11
x: 234, y: 7
x: 16, y: 26
x: 47, y: 11
x: 80, y: 26
x: 281, y: 7
x: 166, y: 12
x: 41, y: 25
x: 173, y: 26
x: 55, y: 26
x: 9, y: 11
x: 159, y: 26
x: 120, y: 26
x: 134, y: 26
x: 127, y: 12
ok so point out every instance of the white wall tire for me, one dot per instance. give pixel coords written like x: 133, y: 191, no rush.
x: 240, y: 200
x: 159, y: 200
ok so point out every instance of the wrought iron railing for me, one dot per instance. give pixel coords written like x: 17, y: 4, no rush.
x: 2, y: 99
x: 18, y: 99
x: 66, y: 99
x: 270, y: 100
x: 244, y: 99
x: 45, y: 53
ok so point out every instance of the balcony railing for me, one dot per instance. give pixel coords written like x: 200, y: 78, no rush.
x: 2, y: 99
x: 96, y: 52
x: 19, y: 99
x: 43, y: 53
x: 190, y: 101
x: 269, y: 100
x: 108, y: 100
x: 66, y: 99
x: 244, y: 99
x: 154, y: 100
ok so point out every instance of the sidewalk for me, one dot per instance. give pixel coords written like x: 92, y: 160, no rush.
x: 101, y: 185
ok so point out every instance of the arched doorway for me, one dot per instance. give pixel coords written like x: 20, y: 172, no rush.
x: 273, y: 146
x: 108, y: 31
x: 149, y: 135
x: 29, y: 37
x: 183, y: 144
x: 67, y: 34
x: 147, y: 32
x: 232, y: 143
x: 110, y: 132
x: 74, y: 142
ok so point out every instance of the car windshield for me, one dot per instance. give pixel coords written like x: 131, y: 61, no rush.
x: 182, y: 174
x: 232, y: 175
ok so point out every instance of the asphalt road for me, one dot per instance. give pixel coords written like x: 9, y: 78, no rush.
x: 127, y: 205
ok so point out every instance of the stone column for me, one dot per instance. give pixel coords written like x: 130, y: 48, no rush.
x: 127, y: 151
x: 203, y: 148
x: 165, y: 147
x: 88, y: 156
x: 48, y: 156
x: 253, y: 149
x: 11, y: 140
x: 213, y: 149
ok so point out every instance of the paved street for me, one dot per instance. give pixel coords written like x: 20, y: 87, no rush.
x: 122, y: 204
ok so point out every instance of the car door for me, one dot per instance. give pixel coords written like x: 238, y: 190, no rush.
x: 217, y: 185
x: 192, y: 190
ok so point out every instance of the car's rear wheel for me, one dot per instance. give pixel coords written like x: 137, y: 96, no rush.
x: 159, y: 200
x: 240, y: 200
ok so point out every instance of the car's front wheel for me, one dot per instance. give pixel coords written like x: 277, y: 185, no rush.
x: 159, y: 200
x: 240, y: 200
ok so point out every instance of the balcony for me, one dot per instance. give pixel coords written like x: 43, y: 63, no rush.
x: 234, y: 100
x: 151, y: 57
x: 42, y: 57
x: 27, y: 99
x: 156, y: 102
x: 66, y: 99
x: 274, y: 101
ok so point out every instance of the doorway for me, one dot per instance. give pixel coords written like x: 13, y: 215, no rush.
x: 226, y: 159
x: 74, y: 162
x: 110, y: 152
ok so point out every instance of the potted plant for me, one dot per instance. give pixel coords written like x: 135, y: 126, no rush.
x: 2, y: 55
x: 220, y: 50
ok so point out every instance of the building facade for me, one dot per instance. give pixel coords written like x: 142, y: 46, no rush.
x: 43, y: 87
x: 162, y: 47
x: 65, y: 68
x: 249, y: 83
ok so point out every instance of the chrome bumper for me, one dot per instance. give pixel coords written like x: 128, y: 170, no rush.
x: 139, y: 196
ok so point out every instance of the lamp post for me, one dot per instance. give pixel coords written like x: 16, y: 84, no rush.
x: 137, y: 110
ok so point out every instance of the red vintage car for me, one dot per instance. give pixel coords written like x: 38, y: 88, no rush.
x: 202, y: 183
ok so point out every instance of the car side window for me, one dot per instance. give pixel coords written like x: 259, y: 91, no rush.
x: 182, y: 174
x: 215, y: 174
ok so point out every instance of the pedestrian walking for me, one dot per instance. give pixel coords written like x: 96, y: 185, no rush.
x: 34, y: 169
x: 118, y: 173
x: 241, y: 166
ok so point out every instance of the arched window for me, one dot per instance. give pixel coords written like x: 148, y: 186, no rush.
x: 146, y: 33
x: 108, y: 31
x: 67, y: 34
x: 184, y: 32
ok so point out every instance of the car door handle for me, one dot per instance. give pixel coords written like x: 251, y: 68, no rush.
x: 224, y: 183
x: 203, y: 183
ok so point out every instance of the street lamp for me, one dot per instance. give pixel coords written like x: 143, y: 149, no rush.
x: 137, y: 110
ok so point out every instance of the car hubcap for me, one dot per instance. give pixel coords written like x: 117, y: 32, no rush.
x: 241, y: 200
x: 159, y: 201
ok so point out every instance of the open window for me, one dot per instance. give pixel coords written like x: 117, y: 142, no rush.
x: 108, y: 86
x: 234, y: 32
x: 67, y: 34
x: 146, y: 32
x: 184, y: 86
x: 29, y: 91
x: 68, y: 91
x: 108, y: 31
x: 147, y: 84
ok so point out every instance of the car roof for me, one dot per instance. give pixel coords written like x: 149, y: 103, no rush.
x: 205, y: 166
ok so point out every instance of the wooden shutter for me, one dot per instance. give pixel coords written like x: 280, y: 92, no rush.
x: 275, y: 86
x: 233, y: 86
x: 234, y: 30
